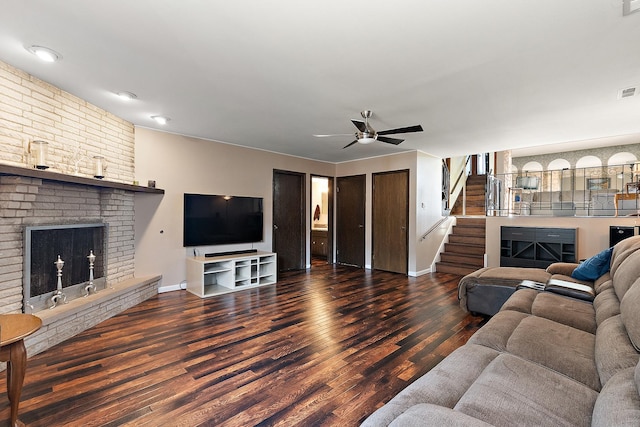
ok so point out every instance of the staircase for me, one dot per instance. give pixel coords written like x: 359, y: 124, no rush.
x: 464, y: 253
x: 476, y: 187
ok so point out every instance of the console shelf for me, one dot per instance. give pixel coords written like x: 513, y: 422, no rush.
x: 219, y: 275
x: 536, y: 247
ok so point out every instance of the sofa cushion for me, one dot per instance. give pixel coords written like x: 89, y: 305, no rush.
x: 630, y: 311
x: 603, y: 282
x: 568, y: 311
x: 613, y: 350
x: 496, y: 332
x: 593, y: 267
x: 559, y: 347
x: 521, y: 301
x: 618, y: 403
x: 625, y: 265
x: 606, y: 305
x: 443, y: 385
x: 513, y: 391
x: 426, y: 414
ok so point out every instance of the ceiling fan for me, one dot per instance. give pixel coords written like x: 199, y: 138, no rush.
x: 366, y: 134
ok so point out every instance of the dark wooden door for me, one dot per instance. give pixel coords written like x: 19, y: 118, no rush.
x: 390, y: 217
x: 288, y: 220
x: 350, y: 219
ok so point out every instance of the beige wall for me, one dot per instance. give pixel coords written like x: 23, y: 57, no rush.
x: 181, y: 164
x: 593, y: 232
x: 424, y: 199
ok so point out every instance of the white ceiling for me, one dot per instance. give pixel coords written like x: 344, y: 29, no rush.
x: 477, y: 75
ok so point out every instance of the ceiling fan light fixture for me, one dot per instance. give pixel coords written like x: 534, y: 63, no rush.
x: 366, y: 140
x: 44, y: 53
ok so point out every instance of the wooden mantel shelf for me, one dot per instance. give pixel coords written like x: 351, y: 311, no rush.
x: 72, y: 179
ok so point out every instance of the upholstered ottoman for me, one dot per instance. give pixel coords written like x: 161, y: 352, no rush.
x: 484, y: 291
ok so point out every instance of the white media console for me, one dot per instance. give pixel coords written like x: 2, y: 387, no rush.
x: 209, y: 276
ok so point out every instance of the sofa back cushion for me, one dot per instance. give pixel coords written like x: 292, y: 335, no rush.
x: 625, y: 265
x: 618, y: 403
x: 630, y: 313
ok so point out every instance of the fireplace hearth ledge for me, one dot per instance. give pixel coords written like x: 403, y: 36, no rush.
x: 77, y: 305
x: 68, y: 320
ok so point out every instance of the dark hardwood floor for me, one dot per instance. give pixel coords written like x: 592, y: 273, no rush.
x: 323, y: 347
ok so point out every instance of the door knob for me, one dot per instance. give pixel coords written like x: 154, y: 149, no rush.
x: 275, y: 227
x: 360, y: 226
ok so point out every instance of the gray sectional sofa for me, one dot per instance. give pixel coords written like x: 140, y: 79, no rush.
x: 543, y: 360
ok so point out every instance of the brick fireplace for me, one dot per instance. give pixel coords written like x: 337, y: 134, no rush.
x: 28, y: 201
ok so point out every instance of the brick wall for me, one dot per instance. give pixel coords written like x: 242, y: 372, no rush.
x: 75, y: 130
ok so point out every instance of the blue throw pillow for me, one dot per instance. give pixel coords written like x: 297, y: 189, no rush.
x: 594, y: 267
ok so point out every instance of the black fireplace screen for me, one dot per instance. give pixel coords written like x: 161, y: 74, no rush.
x: 73, y: 244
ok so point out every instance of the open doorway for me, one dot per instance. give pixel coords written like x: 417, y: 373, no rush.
x: 321, y: 219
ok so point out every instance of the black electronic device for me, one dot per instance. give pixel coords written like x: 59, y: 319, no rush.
x: 619, y: 233
x: 244, y: 251
x: 221, y: 220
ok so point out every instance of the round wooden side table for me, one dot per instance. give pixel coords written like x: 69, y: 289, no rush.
x: 14, y: 328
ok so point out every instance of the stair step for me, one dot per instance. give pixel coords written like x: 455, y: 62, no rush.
x: 464, y: 248
x: 443, y: 267
x: 475, y: 203
x: 475, y: 210
x: 463, y: 259
x: 476, y: 187
x: 468, y: 231
x: 468, y: 221
x: 467, y: 240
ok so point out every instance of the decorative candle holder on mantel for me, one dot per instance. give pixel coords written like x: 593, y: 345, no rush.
x: 39, y: 149
x: 99, y: 167
x: 58, y: 294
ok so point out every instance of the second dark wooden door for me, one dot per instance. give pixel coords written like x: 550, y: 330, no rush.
x: 390, y: 217
x: 288, y: 220
x: 350, y: 220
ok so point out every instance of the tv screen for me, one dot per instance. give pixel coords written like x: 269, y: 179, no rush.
x: 220, y: 220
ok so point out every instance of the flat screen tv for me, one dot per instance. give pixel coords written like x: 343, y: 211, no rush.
x: 221, y: 220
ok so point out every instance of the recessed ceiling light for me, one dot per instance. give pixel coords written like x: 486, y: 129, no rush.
x: 162, y: 120
x: 44, y: 53
x: 127, y: 96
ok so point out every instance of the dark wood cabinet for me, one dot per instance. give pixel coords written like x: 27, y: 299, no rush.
x: 319, y: 242
x: 537, y: 246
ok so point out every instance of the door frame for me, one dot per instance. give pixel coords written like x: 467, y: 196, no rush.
x: 330, y: 248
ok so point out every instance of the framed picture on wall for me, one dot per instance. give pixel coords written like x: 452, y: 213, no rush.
x: 598, y: 183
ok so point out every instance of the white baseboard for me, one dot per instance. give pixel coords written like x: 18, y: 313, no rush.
x: 419, y: 273
x: 169, y: 288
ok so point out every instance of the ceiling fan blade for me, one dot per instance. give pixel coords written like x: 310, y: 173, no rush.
x: 388, y: 140
x: 360, y: 125
x: 350, y: 144
x: 332, y: 134
x: 408, y: 129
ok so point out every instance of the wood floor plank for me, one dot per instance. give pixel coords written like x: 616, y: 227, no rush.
x: 323, y: 347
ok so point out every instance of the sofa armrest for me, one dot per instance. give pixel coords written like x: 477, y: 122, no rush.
x: 564, y: 268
